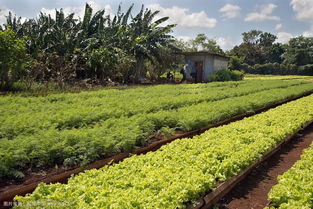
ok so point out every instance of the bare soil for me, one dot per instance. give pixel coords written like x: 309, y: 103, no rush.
x: 251, y: 192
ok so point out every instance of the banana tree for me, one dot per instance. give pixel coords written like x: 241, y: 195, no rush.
x: 148, y: 36
x: 64, y: 37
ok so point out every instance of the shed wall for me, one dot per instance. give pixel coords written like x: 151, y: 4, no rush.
x: 211, y: 64
x: 220, y: 63
x: 208, y: 68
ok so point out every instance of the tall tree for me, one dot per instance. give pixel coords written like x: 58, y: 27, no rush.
x: 203, y: 43
x: 258, y: 48
x: 147, y: 38
x: 12, y: 58
x: 251, y: 37
x: 299, y: 51
x: 64, y: 42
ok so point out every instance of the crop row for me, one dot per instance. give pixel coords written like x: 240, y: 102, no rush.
x: 62, y: 112
x: 180, y: 172
x: 81, y: 146
x: 295, y: 187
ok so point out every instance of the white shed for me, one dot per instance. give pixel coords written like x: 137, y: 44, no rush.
x: 201, y: 64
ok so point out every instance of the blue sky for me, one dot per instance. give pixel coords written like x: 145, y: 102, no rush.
x: 222, y: 20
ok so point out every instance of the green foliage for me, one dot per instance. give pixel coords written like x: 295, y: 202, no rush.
x: 305, y: 70
x: 295, y: 187
x: 167, y: 61
x: 180, y: 172
x: 148, y: 37
x: 75, y: 129
x: 277, y: 77
x: 275, y: 53
x: 102, y: 61
x: 279, y: 69
x: 203, y: 43
x: 200, y: 43
x: 92, y: 48
x: 13, y: 58
x: 260, y: 54
x: 299, y: 51
x: 237, y: 75
x: 258, y: 48
x: 235, y: 63
x: 227, y: 75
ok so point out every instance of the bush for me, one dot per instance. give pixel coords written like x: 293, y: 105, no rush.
x: 13, y: 58
x: 226, y: 75
x: 278, y: 69
x: 235, y: 63
x: 236, y: 75
x: 102, y: 61
x: 306, y: 69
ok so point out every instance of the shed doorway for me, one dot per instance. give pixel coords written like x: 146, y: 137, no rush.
x: 199, y: 71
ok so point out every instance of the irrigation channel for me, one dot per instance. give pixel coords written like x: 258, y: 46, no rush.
x: 8, y: 192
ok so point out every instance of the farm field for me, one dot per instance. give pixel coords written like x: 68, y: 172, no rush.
x: 156, y: 105
x: 277, y: 77
x: 253, y: 190
x: 180, y: 172
x: 68, y: 111
x: 76, y: 129
x: 295, y: 187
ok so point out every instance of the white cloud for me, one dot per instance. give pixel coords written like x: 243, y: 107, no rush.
x: 304, y: 12
x: 303, y: 9
x: 184, y: 38
x: 183, y: 18
x: 264, y: 14
x: 278, y: 26
x: 308, y: 33
x: 79, y: 11
x: 225, y: 43
x: 230, y: 11
x: 283, y: 37
x: 3, y: 13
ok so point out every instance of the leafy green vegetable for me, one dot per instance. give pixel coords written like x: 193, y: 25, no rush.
x: 179, y: 172
x: 80, y: 146
x: 295, y: 186
x: 26, y: 116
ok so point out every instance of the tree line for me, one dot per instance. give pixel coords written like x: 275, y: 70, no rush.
x: 97, y: 48
x: 127, y: 48
x: 259, y: 53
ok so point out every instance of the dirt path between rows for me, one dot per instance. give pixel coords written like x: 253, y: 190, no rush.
x: 251, y: 192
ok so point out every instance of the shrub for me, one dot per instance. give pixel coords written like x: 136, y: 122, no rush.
x: 13, y: 58
x: 278, y: 69
x: 235, y: 63
x: 226, y: 75
x: 268, y: 69
x: 237, y: 75
x: 306, y: 69
x: 102, y: 61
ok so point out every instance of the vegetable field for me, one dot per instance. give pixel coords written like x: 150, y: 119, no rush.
x: 76, y: 129
x: 180, y: 172
x: 109, y: 110
x: 277, y: 77
x: 295, y: 187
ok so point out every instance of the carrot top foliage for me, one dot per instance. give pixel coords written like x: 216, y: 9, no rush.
x: 76, y: 129
x: 180, y: 172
